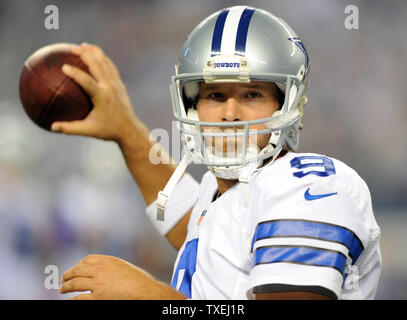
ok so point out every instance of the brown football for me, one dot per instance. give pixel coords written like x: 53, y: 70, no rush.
x: 46, y: 93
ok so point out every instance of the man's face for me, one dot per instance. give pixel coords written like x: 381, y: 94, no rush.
x: 222, y: 102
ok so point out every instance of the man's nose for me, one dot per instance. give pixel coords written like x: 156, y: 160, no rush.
x: 231, y: 110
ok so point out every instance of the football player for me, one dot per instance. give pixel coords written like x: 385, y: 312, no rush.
x: 265, y: 222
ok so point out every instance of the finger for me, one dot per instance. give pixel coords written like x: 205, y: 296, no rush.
x: 77, y: 284
x: 83, y: 296
x: 76, y: 127
x: 95, y: 62
x: 113, y: 69
x: 75, y: 49
x: 93, y: 259
x: 82, y: 78
x: 97, y: 51
x: 107, y: 63
x: 80, y: 270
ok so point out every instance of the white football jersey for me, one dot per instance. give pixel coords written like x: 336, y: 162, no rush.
x: 303, y: 223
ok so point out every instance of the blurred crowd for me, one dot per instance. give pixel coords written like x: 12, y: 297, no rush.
x: 64, y: 197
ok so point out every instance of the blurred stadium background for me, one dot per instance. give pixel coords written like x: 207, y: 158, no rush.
x: 64, y: 197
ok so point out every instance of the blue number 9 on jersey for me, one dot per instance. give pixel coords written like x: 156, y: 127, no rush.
x: 326, y: 164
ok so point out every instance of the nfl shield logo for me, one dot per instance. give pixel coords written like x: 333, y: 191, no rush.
x: 201, y: 217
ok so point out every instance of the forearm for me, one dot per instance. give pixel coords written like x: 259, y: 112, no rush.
x: 150, y: 178
x: 135, y: 146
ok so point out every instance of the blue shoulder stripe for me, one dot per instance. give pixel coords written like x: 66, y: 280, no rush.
x: 301, y: 255
x: 310, y: 229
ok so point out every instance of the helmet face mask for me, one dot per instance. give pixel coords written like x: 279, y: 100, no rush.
x: 240, y: 45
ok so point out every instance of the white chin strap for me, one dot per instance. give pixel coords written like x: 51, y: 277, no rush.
x: 164, y: 195
x: 233, y: 172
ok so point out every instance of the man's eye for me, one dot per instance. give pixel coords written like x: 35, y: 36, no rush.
x: 253, y: 95
x: 215, y: 95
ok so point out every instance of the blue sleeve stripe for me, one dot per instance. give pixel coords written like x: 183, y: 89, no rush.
x: 301, y: 255
x: 187, y: 262
x: 310, y: 229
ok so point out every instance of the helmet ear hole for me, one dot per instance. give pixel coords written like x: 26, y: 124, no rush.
x: 191, y: 90
x: 190, y: 94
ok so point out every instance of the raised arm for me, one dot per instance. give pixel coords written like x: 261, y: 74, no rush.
x: 114, y: 119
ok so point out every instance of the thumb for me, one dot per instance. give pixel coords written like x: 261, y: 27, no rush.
x: 77, y: 127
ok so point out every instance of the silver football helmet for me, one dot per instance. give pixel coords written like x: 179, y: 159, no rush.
x: 238, y: 45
